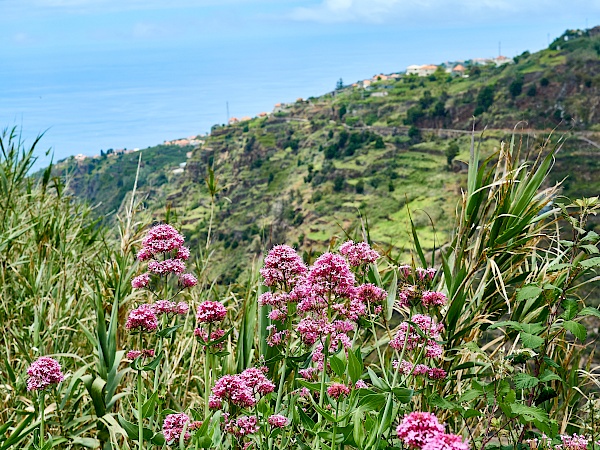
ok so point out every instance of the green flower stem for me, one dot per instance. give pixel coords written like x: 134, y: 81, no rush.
x: 379, y: 355
x: 41, y: 395
x: 335, y: 425
x: 282, y: 376
x: 207, y: 374
x: 140, y: 408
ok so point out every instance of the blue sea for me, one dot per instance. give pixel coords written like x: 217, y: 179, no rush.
x: 88, y: 99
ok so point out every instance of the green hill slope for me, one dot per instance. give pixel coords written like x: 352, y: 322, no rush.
x: 317, y: 166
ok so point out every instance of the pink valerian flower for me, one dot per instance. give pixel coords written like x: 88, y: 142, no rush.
x: 370, y: 294
x: 241, y: 427
x: 408, y: 335
x: 209, y: 312
x: 435, y: 373
x: 144, y: 255
x: 187, y: 280
x: 214, y: 402
x: 418, y: 428
x: 43, y: 373
x: 275, y: 337
x: 421, y: 274
x: 278, y: 314
x: 276, y: 300
x: 574, y: 442
x: 433, y: 298
x: 358, y: 254
x: 183, y: 253
x: 405, y: 271
x: 166, y: 267
x: 235, y: 390
x: 141, y: 281
x: 167, y: 307
x: 145, y: 353
x: 445, y: 441
x: 256, y: 380
x: 142, y: 318
x: 337, y: 390
x: 162, y: 239
x: 310, y: 374
x: 402, y: 299
x: 330, y: 274
x: 278, y: 421
x: 310, y: 330
x: 215, y: 335
x: 195, y: 425
x: 360, y: 384
x: 282, y: 266
x: 173, y: 427
x: 407, y: 368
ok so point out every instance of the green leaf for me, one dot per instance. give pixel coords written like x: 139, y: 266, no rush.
x: 471, y: 413
x: 315, y: 387
x: 591, y: 236
x: 355, y: 367
x: 592, y: 262
x: 442, y: 403
x: 158, y: 439
x: 551, y: 362
x: 531, y: 341
x: 576, y: 328
x: 529, y: 413
x: 372, y: 402
x: 377, y: 382
x: 337, y: 365
x: 589, y: 311
x: 532, y: 328
x: 590, y: 249
x: 154, y: 363
x: 559, y: 266
x: 570, y: 306
x: 148, y: 407
x: 549, y: 376
x: 166, y: 332
x: 525, y: 381
x: 470, y: 395
x: 403, y: 394
x: 132, y: 429
x: 391, y: 298
x: 528, y: 292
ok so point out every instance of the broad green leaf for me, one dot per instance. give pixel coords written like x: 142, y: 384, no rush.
x: 570, y: 306
x: 442, y: 403
x: 148, y: 407
x: 158, y: 439
x: 576, y: 328
x: 168, y: 331
x: 528, y: 292
x: 525, y: 381
x: 355, y: 367
x: 471, y: 413
x: 532, y: 328
x: 551, y: 362
x: 403, y: 394
x: 559, y: 266
x: 372, y: 402
x: 391, y: 298
x: 337, y: 365
x: 592, y: 262
x: 590, y: 249
x: 132, y: 430
x: 530, y: 413
x: 470, y: 395
x: 531, y: 341
x: 549, y: 376
x: 589, y: 311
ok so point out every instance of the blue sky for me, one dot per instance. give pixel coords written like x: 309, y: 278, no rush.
x: 28, y: 26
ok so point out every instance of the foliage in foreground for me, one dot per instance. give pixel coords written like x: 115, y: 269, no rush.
x: 349, y: 350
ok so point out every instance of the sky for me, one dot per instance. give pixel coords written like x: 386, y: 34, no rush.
x: 299, y: 48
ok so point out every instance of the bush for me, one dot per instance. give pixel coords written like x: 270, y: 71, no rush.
x: 360, y: 186
x: 338, y: 183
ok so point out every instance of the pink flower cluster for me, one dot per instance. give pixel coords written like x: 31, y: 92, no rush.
x: 173, y: 427
x: 163, y: 248
x: 283, y: 267
x: 168, y: 307
x: 142, y: 318
x: 407, y: 368
x: 410, y: 339
x: 358, y: 254
x: 242, y: 426
x: 145, y: 353
x: 43, y: 373
x: 423, y: 431
x: 337, y: 390
x: 217, y: 334
x: 573, y: 442
x: 278, y: 421
x: 209, y: 312
x: 433, y: 298
x: 242, y: 390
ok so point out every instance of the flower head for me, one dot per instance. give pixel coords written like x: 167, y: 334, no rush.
x: 209, y: 312
x: 43, y: 373
x: 444, y: 441
x: 173, y: 427
x: 278, y: 421
x: 243, y: 426
x: 162, y: 239
x: 433, y: 298
x: 418, y: 428
x: 141, y: 281
x: 142, y: 318
x: 358, y: 254
x: 282, y: 265
x: 162, y: 268
x: 337, y: 390
x: 330, y: 274
x: 187, y: 280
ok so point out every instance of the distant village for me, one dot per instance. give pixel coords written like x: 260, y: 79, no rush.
x: 456, y: 68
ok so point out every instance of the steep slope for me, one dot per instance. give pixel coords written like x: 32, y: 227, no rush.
x: 358, y: 157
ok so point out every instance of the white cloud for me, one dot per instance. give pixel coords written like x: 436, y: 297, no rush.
x: 377, y: 11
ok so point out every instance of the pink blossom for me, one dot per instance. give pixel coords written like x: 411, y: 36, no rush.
x: 183, y: 253
x: 405, y: 271
x: 215, y: 335
x: 421, y: 274
x: 358, y: 254
x: 309, y: 374
x: 330, y: 274
x: 209, y: 312
x: 43, y: 373
x: 134, y: 354
x: 167, y: 307
x: 278, y: 314
x: 162, y: 239
x: 436, y: 373
x: 141, y: 281
x: 166, y: 267
x: 275, y: 337
x: 277, y: 300
x: 369, y: 293
x: 144, y: 254
x: 360, y: 384
x: 214, y: 402
x: 311, y: 329
x: 256, y: 380
x: 142, y: 318
x: 234, y: 389
x: 574, y: 442
x: 282, y: 266
x: 278, y: 421
x: 444, y: 441
x: 337, y: 390
x: 187, y: 280
x: 433, y: 298
x: 408, y: 335
x: 418, y: 428
x: 402, y: 299
x: 243, y: 426
x: 173, y: 427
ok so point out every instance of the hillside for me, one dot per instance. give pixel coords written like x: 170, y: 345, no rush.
x: 315, y: 167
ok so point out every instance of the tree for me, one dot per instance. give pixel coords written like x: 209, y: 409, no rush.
x: 339, y: 85
x: 360, y: 186
x: 338, y: 183
x: 516, y: 87
x: 451, y: 152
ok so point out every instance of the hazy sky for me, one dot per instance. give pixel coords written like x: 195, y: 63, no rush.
x: 29, y: 26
